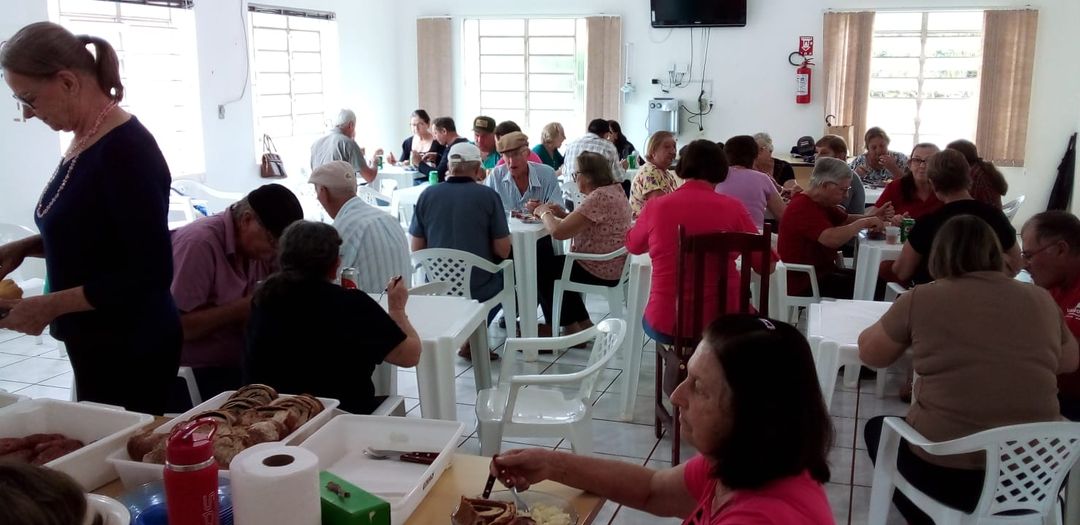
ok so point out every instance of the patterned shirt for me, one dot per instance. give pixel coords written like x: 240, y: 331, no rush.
x: 543, y: 186
x: 647, y: 180
x: 609, y: 217
x: 881, y: 175
x: 374, y: 243
x: 594, y: 143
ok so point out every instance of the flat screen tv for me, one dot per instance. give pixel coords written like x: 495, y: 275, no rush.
x: 698, y: 13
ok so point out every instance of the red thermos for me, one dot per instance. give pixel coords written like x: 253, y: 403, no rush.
x: 191, y: 474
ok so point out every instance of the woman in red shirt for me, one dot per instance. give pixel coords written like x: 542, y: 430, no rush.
x: 750, y: 469
x: 696, y: 206
x: 912, y: 196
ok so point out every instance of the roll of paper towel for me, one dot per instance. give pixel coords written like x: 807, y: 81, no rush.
x: 274, y: 483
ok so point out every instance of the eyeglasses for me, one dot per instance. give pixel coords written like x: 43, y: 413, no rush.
x: 845, y: 190
x: 23, y: 101
x: 1026, y: 255
x: 916, y: 160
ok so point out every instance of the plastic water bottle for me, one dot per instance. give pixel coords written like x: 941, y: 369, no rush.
x: 191, y: 474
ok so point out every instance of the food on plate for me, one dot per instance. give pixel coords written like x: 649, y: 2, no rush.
x: 476, y: 511
x: 37, y: 449
x: 253, y: 414
x: 543, y: 514
x: 10, y: 290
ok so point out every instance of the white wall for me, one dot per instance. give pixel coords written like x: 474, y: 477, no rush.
x: 752, y: 82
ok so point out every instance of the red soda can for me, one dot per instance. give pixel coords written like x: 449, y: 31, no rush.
x: 349, y: 278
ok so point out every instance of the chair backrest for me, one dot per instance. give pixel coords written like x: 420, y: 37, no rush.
x: 181, y: 212
x: 1025, y: 466
x: 372, y: 197
x: 1012, y: 207
x: 696, y: 253
x: 387, y: 186
x: 609, y: 338
x: 571, y: 192
x: 216, y: 200
x: 432, y: 288
x: 455, y: 267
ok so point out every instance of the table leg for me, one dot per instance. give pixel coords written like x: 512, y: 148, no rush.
x: 862, y: 270
x: 481, y: 356
x: 525, y: 276
x: 641, y: 282
x: 435, y: 380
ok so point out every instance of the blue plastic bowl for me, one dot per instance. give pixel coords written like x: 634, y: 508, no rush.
x: 148, y: 507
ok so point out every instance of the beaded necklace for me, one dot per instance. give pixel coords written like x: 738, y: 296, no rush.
x: 78, y: 149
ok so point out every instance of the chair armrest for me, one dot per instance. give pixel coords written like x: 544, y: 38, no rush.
x: 807, y: 269
x: 549, y: 379
x: 543, y: 343
x: 943, y: 448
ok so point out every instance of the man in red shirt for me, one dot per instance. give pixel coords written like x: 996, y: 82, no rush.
x: 815, y: 227
x: 1051, y: 255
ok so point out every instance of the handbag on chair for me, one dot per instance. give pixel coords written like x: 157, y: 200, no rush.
x: 272, y: 166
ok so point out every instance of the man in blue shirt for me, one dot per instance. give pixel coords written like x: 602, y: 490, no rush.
x: 463, y: 215
x: 521, y: 184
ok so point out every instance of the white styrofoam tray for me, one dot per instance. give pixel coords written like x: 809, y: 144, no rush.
x: 102, y: 429
x: 340, y: 447
x: 134, y: 473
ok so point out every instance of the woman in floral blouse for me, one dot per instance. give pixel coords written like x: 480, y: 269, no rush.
x: 655, y: 178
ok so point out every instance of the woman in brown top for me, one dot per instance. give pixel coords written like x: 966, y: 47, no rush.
x: 987, y: 183
x: 987, y: 350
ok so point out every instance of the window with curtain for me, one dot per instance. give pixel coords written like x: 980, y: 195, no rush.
x: 529, y: 70
x: 159, y: 69
x: 925, y: 72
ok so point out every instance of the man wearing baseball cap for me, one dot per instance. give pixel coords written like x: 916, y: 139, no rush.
x: 218, y: 261
x: 372, y: 240
x: 463, y: 215
x: 521, y: 184
x: 484, y: 138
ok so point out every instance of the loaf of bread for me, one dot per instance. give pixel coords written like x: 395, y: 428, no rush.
x: 10, y: 290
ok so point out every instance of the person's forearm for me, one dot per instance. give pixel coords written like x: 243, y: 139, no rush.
x: 69, y: 301
x: 32, y: 246
x: 631, y: 486
x: 368, y: 173
x: 200, y: 323
x: 840, y: 235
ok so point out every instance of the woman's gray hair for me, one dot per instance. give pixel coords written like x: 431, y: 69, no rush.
x: 551, y: 132
x: 764, y: 140
x: 309, y: 248
x: 828, y: 169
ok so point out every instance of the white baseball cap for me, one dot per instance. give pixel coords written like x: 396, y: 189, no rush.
x: 335, y: 175
x: 463, y: 152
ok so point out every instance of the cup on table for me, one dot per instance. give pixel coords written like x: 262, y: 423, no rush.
x: 892, y: 235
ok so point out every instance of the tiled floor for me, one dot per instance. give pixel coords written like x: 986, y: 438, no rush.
x: 36, y: 369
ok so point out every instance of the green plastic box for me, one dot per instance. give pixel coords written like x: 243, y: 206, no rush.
x: 357, y: 508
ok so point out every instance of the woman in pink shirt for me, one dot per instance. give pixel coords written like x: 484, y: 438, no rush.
x: 762, y: 444
x: 754, y: 189
x: 697, y: 207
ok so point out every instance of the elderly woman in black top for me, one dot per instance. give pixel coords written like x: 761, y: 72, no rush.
x: 102, y: 218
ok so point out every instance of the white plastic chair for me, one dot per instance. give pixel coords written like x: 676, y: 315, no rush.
x: 616, y: 295
x: 509, y: 410
x: 1025, y: 466
x: 790, y: 304
x: 1012, y: 207
x: 894, y: 290
x: 216, y: 200
x: 433, y: 288
x: 830, y: 356
x: 388, y: 186
x: 571, y: 192
x: 188, y: 375
x: 181, y: 211
x: 376, y: 199
x: 455, y: 267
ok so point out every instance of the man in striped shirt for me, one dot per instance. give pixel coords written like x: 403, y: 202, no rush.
x: 373, y: 242
x: 595, y: 142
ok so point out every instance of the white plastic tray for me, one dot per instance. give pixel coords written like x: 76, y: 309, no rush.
x: 134, y: 473
x: 102, y: 429
x: 340, y: 447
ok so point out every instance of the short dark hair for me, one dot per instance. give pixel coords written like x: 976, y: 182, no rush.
x: 835, y: 143
x: 446, y: 124
x: 948, y: 171
x: 32, y: 495
x: 506, y: 127
x: 614, y: 127
x: 1057, y: 225
x: 702, y: 160
x: 741, y: 150
x: 971, y: 155
x: 595, y: 168
x: 422, y: 115
x: 766, y: 414
x: 599, y: 126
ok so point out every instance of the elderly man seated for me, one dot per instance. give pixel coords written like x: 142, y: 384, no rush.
x: 372, y: 240
x: 815, y: 227
x: 218, y: 262
x: 1052, y: 256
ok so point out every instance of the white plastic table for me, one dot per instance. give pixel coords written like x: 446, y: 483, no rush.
x: 873, y: 194
x: 523, y: 238
x: 637, y: 297
x: 841, y: 322
x: 870, y: 256
x: 404, y: 201
x: 403, y: 177
x: 445, y: 323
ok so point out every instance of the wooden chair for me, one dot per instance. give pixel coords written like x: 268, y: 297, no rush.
x: 695, y: 253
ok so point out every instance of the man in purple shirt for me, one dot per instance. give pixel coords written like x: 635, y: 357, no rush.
x: 219, y: 261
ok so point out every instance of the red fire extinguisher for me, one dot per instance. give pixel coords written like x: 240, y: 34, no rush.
x: 802, y: 82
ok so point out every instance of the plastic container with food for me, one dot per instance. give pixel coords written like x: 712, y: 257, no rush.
x: 134, y: 472
x: 101, y: 429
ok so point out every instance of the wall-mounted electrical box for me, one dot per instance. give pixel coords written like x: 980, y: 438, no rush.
x: 663, y: 115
